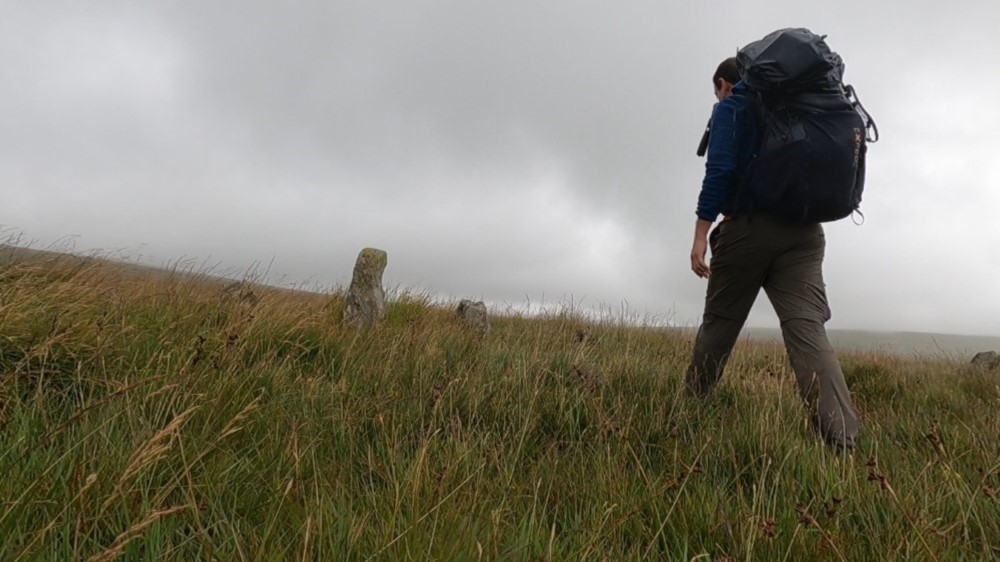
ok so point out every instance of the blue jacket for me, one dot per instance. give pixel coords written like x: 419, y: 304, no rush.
x: 732, y: 143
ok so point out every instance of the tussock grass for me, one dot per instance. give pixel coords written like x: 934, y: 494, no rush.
x: 172, y: 418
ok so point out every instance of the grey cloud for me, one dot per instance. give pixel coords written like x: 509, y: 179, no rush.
x: 503, y: 150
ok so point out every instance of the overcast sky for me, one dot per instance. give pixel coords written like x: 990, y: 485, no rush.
x: 514, y: 151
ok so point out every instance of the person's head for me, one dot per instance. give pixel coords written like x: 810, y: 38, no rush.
x: 726, y: 76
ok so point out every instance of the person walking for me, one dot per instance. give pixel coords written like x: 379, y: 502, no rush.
x: 753, y: 248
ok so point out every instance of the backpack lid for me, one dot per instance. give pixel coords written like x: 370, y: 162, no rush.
x: 790, y: 60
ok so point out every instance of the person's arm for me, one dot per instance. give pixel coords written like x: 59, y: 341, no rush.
x: 720, y: 176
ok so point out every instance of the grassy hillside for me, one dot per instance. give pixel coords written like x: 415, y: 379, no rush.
x: 164, y: 418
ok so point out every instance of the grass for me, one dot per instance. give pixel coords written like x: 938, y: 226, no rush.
x: 164, y: 418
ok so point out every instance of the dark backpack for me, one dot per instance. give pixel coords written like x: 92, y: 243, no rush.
x: 810, y: 164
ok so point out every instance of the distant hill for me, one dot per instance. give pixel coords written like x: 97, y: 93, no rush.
x: 953, y: 346
x: 17, y: 254
x: 10, y: 255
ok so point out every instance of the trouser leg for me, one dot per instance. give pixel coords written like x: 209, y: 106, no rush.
x: 821, y: 380
x: 796, y: 289
x: 713, y: 344
x: 738, y: 266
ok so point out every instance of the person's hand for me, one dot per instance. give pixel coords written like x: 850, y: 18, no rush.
x: 698, y: 251
x: 700, y: 248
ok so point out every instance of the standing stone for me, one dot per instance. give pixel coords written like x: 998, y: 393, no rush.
x: 987, y: 360
x: 473, y: 315
x: 365, y: 301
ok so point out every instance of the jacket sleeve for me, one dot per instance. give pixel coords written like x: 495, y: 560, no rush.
x: 721, y: 173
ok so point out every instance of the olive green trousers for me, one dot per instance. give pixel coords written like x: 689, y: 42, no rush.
x: 750, y: 253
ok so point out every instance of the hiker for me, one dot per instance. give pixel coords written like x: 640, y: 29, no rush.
x: 761, y: 244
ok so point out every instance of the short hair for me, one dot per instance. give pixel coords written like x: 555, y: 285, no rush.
x: 729, y: 70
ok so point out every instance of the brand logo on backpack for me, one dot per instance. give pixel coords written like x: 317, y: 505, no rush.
x: 859, y: 139
x: 810, y: 164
